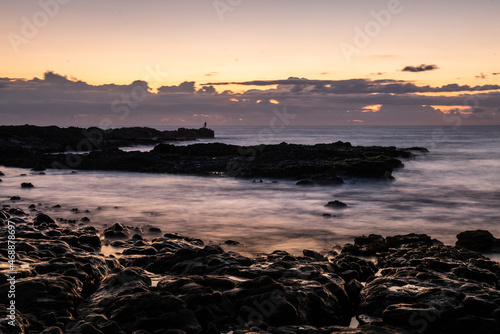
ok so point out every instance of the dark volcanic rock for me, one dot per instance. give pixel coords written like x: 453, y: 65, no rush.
x: 29, y: 138
x: 426, y: 289
x: 409, y: 240
x: 478, y: 240
x: 307, y: 182
x: 366, y: 245
x: 43, y: 218
x: 116, y: 231
x: 336, y: 205
x: 154, y: 230
x: 92, y: 240
x: 322, y: 163
x: 64, y: 285
x: 27, y: 185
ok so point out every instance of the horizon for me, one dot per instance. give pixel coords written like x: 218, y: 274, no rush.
x: 242, y: 63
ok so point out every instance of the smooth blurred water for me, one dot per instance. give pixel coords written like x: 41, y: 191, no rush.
x: 453, y: 188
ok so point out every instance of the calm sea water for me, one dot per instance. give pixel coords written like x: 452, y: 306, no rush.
x: 453, y: 188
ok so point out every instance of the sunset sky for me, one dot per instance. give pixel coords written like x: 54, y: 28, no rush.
x: 238, y: 62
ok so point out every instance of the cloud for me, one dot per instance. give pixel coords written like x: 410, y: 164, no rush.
x: 420, y: 68
x: 207, y: 90
x: 185, y: 87
x: 356, y: 86
x: 63, y: 100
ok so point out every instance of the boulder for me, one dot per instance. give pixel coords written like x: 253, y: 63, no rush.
x: 43, y: 218
x: 336, y: 205
x: 306, y: 182
x: 478, y: 240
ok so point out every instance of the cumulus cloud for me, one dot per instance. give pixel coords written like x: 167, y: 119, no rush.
x: 207, y: 90
x: 185, y: 87
x: 420, y: 68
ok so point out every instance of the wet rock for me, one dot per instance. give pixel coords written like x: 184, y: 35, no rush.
x: 306, y: 182
x: 140, y: 251
x: 350, y: 267
x: 154, y: 230
x: 4, y: 215
x: 52, y: 330
x: 231, y: 243
x: 313, y: 254
x: 27, y: 185
x: 336, y: 205
x: 478, y: 240
x: 321, y: 162
x: 427, y: 288
x: 92, y: 240
x: 409, y: 240
x: 366, y: 245
x: 88, y: 328
x: 353, y: 289
x: 43, y: 218
x: 15, y: 198
x: 116, y: 231
x: 57, y: 294
x: 17, y: 212
x: 131, y: 302
x: 407, y: 315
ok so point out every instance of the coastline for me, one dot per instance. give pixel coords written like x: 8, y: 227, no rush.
x: 162, y: 280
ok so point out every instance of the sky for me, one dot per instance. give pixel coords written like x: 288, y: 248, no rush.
x: 243, y: 62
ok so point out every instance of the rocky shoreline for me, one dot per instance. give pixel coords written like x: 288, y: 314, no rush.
x: 307, y: 164
x: 162, y: 282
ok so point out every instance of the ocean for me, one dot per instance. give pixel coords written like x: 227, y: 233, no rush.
x: 453, y: 188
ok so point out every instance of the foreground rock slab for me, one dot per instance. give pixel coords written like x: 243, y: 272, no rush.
x: 173, y: 283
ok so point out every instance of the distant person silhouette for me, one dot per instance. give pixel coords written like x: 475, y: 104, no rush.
x: 205, y: 125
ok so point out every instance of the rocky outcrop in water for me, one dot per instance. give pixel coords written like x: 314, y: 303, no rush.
x: 55, y: 139
x: 323, y: 164
x: 173, y: 283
